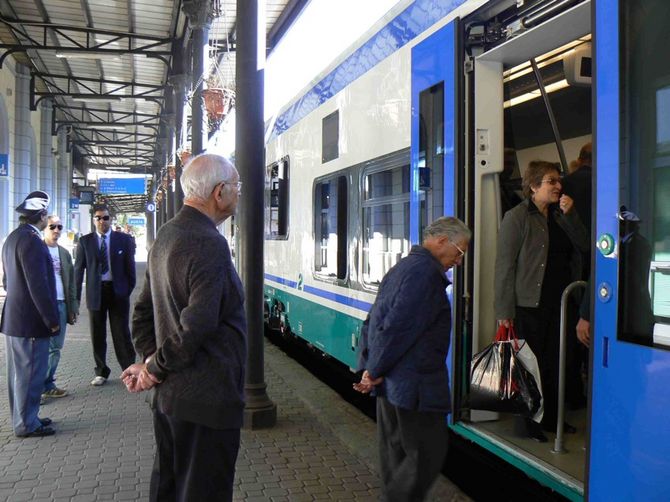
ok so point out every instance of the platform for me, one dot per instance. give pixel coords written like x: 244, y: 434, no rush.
x: 322, y: 448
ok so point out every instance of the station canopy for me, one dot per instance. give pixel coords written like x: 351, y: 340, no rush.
x: 106, y: 66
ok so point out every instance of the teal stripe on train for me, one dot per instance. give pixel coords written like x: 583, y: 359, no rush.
x: 331, y: 331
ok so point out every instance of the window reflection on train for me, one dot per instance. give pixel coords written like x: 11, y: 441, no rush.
x: 528, y: 136
x: 644, y: 228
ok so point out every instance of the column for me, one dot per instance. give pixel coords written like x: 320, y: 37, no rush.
x: 179, y: 84
x: 260, y: 411
x: 22, y: 140
x: 47, y: 170
x: 199, y: 14
x: 61, y: 193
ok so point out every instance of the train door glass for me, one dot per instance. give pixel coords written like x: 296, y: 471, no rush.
x: 630, y: 410
x: 431, y: 155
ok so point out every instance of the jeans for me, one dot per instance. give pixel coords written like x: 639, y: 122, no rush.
x: 55, y: 346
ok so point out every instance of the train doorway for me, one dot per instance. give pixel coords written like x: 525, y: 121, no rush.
x: 530, y: 99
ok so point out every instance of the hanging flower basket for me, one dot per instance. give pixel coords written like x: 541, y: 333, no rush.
x: 184, y: 156
x: 217, y: 102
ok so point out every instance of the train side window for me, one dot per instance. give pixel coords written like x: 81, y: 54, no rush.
x: 277, y: 200
x: 385, y: 194
x: 330, y: 135
x: 644, y: 227
x: 330, y: 227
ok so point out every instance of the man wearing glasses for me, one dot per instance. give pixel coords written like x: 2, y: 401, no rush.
x: 403, y: 350
x: 108, y: 259
x: 66, y: 295
x: 189, y: 327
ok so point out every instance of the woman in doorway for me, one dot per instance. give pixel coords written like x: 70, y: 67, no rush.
x: 540, y: 245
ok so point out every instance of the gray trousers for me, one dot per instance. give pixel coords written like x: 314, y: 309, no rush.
x: 27, y: 360
x: 412, y: 449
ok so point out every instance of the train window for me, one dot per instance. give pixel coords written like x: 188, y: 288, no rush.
x: 330, y: 135
x: 644, y: 228
x: 431, y: 154
x: 276, y: 200
x: 385, y: 220
x: 330, y: 227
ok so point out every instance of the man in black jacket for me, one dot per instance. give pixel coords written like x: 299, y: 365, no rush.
x: 189, y: 327
x: 108, y: 259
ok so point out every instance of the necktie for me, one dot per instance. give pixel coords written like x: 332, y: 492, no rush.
x: 104, y: 265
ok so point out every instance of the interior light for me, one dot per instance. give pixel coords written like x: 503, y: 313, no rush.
x: 98, y: 98
x: 84, y: 54
x: 561, y: 84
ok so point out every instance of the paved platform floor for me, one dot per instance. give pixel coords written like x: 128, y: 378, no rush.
x: 321, y: 448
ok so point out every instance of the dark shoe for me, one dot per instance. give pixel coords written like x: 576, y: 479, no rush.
x: 39, y: 432
x: 55, y: 392
x: 534, y: 431
x: 45, y: 421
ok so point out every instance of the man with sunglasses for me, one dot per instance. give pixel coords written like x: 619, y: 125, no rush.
x: 66, y: 295
x: 108, y: 260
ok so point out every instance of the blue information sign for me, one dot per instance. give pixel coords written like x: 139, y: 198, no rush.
x: 138, y: 222
x: 122, y: 186
x: 4, y: 165
x: 74, y: 203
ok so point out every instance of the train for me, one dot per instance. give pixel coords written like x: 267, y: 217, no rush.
x: 436, y: 110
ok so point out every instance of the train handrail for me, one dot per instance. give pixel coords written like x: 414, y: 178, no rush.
x: 558, y: 442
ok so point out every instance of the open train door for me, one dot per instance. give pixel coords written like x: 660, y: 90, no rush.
x: 435, y: 148
x: 435, y: 116
x: 629, y: 457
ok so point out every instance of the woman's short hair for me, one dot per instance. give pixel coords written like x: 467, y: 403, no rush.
x: 452, y: 227
x: 534, y: 173
x: 202, y: 173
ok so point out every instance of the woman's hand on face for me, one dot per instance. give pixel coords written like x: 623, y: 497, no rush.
x: 566, y: 203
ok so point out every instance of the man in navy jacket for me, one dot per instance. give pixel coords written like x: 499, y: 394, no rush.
x: 403, y: 350
x: 108, y: 259
x: 29, y: 316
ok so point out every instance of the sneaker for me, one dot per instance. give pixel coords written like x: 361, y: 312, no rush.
x: 55, y: 392
x: 98, y: 381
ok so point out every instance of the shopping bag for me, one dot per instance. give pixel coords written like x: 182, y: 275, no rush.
x: 499, y: 381
x: 526, y: 356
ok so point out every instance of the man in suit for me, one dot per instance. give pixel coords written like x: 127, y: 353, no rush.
x: 108, y: 259
x: 66, y: 295
x: 29, y: 316
x: 189, y: 327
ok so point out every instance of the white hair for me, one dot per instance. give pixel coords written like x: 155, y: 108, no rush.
x: 202, y: 173
x: 452, y: 227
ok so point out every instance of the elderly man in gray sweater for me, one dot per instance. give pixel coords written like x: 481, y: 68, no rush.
x: 189, y: 327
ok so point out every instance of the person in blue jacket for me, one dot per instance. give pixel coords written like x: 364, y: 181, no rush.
x: 403, y: 350
x: 29, y: 316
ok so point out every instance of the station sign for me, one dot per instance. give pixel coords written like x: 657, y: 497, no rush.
x: 4, y: 165
x: 137, y: 222
x: 122, y: 186
x: 74, y: 202
x: 151, y: 207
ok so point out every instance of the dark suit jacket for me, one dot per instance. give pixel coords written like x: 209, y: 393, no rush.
x: 30, y: 309
x: 122, y: 257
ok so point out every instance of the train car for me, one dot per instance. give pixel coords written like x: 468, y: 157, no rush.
x: 437, y: 110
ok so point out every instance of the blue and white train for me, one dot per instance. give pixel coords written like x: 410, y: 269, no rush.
x: 437, y: 110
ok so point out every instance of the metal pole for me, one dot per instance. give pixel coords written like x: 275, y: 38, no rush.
x: 558, y: 443
x: 178, y: 83
x: 260, y: 411
x: 552, y: 118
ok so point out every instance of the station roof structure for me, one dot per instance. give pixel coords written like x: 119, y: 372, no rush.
x: 106, y: 64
